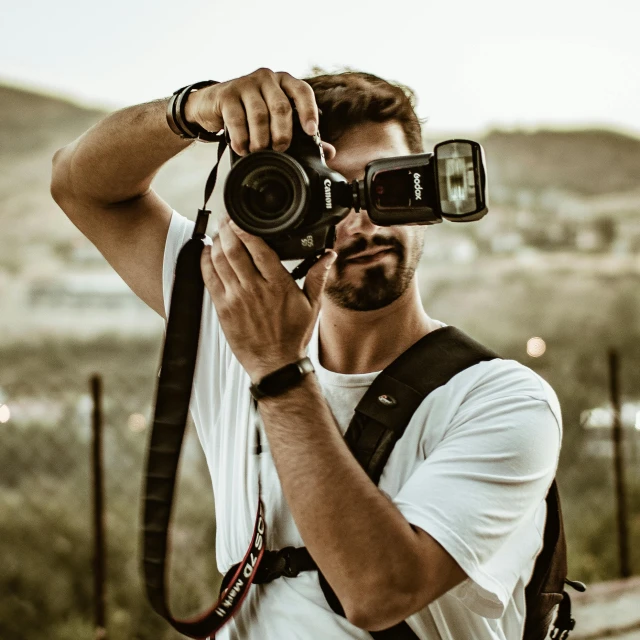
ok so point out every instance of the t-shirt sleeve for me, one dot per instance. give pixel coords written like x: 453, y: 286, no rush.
x: 180, y: 230
x: 480, y: 490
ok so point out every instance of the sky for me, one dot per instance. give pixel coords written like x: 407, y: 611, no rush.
x: 474, y: 65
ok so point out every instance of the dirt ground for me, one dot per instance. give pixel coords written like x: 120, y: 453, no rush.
x: 608, y: 610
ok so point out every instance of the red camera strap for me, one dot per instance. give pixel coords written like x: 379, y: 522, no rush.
x: 206, y: 625
x: 232, y: 596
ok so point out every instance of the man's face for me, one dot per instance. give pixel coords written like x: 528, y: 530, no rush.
x: 375, y: 265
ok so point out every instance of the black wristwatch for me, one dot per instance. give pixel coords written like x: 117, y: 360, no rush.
x: 282, y: 379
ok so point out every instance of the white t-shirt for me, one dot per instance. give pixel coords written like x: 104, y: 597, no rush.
x: 472, y: 470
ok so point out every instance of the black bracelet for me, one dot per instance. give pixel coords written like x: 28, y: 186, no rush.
x: 177, y: 119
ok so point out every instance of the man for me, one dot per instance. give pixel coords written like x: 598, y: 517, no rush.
x: 448, y: 538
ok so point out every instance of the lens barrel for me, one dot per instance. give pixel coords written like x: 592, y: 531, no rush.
x: 267, y: 192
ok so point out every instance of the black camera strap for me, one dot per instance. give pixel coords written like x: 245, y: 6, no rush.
x: 223, y: 142
x: 170, y: 418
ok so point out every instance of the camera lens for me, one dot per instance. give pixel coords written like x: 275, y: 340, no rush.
x: 267, y: 193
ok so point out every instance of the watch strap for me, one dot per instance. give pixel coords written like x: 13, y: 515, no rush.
x: 282, y: 379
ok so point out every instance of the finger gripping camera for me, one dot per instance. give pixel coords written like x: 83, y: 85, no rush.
x: 294, y: 201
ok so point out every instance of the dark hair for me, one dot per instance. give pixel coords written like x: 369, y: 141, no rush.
x: 353, y: 97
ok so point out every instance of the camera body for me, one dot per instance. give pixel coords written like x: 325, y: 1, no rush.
x: 294, y: 201
x: 287, y: 198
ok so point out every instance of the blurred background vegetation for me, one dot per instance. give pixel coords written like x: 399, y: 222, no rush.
x: 556, y: 258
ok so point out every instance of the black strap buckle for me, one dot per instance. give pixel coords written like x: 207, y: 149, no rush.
x: 276, y: 564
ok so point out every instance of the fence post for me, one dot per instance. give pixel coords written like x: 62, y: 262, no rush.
x: 99, y: 553
x: 618, y: 465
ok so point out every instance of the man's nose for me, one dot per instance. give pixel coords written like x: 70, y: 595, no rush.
x: 357, y: 223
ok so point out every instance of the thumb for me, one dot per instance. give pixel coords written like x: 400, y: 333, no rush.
x: 317, y: 276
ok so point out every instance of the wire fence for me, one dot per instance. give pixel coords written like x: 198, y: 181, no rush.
x: 46, y: 497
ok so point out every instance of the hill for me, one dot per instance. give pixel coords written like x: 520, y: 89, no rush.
x: 592, y: 164
x: 32, y: 122
x: 32, y: 127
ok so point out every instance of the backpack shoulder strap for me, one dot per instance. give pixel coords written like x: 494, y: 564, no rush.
x: 551, y: 566
x: 381, y: 417
x: 545, y: 589
x: 384, y: 412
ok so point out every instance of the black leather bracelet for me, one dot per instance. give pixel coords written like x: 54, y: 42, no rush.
x: 177, y: 119
x: 282, y: 379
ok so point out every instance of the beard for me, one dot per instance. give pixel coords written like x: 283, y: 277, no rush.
x: 379, y: 284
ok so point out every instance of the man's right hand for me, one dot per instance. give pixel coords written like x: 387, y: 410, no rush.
x: 255, y: 109
x: 102, y: 181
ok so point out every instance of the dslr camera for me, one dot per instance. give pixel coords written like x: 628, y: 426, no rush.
x: 294, y: 201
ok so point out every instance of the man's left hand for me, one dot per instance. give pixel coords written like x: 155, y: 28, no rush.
x: 266, y: 318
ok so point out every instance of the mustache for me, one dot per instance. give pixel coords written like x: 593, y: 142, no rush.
x: 361, y: 244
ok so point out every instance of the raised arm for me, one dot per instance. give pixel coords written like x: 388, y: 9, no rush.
x: 102, y: 180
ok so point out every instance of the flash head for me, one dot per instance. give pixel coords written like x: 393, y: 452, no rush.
x: 424, y: 188
x: 461, y: 180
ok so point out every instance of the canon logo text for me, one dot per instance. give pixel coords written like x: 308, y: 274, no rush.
x: 328, y: 203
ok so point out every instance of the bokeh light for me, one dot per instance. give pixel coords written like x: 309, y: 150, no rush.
x: 536, y: 347
x: 5, y: 414
x: 137, y: 422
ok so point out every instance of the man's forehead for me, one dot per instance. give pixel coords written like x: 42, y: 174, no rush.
x: 361, y: 144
